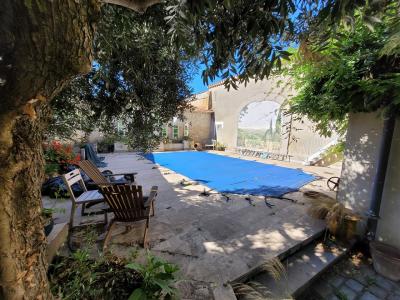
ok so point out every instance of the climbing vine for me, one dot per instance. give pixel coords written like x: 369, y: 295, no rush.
x: 351, y: 72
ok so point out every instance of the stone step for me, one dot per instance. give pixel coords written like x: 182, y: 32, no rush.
x: 283, y: 255
x: 55, y: 240
x: 302, y: 268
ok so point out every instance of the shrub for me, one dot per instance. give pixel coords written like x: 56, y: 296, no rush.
x: 220, y: 146
x: 58, y: 156
x: 158, y: 279
x: 80, y: 277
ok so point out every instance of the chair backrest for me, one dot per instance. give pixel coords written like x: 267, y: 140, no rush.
x: 93, y: 172
x: 70, y: 179
x: 125, y: 201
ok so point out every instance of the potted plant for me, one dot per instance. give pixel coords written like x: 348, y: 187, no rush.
x: 164, y: 141
x: 187, y: 142
x: 220, y: 147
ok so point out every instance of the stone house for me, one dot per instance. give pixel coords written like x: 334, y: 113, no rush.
x: 217, y: 114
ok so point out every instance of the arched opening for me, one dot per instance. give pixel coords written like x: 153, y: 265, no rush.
x: 259, y: 126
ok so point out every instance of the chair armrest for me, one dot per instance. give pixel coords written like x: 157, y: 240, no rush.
x: 152, y: 196
x: 153, y: 192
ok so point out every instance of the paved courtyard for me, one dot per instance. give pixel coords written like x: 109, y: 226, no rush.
x: 214, y: 239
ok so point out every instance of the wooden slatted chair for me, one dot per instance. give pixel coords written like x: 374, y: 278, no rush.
x: 128, y: 205
x: 87, y: 197
x: 99, y: 178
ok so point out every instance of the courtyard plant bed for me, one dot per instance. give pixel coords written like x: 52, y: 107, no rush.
x: 81, y: 276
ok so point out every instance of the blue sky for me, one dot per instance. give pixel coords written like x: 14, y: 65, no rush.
x: 196, y: 83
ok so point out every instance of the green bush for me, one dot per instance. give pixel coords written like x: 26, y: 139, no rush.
x: 80, y: 277
x: 158, y: 276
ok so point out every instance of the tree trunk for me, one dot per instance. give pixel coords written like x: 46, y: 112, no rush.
x: 43, y: 44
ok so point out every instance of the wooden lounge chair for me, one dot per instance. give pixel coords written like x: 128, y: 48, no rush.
x: 99, y: 178
x: 87, y: 197
x: 128, y: 205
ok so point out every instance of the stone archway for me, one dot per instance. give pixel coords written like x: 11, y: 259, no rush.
x: 227, y: 105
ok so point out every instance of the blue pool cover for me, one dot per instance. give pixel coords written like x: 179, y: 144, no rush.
x: 233, y: 175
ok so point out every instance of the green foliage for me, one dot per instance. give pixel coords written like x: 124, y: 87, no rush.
x: 159, y: 277
x: 80, y: 277
x: 220, y: 146
x: 138, y: 80
x: 58, y: 156
x: 71, y: 115
x: 349, y: 74
x: 51, y: 168
x: 337, y: 149
x: 240, y: 39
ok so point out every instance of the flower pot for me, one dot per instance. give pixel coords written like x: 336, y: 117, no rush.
x: 386, y: 260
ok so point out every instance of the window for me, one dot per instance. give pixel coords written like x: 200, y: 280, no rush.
x: 164, y: 132
x: 186, y: 130
x: 175, y: 132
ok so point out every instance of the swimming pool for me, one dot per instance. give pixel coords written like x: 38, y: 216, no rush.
x: 233, y: 175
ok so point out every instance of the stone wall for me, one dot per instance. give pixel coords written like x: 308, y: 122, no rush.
x: 201, y: 126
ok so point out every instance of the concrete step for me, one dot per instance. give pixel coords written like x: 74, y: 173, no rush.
x: 302, y: 268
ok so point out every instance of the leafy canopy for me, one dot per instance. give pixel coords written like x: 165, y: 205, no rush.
x: 139, y: 78
x: 352, y: 72
x: 242, y: 39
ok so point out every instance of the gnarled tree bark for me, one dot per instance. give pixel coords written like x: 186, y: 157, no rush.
x: 43, y: 44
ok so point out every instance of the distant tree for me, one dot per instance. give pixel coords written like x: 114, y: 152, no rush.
x: 278, y: 124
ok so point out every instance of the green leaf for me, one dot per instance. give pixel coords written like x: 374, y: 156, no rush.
x: 135, y: 266
x: 138, y: 294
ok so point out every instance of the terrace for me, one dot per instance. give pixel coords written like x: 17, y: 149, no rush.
x: 215, y: 238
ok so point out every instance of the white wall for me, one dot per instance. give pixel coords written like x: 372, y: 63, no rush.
x: 227, y: 106
x: 359, y: 167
